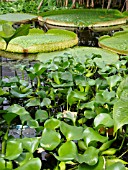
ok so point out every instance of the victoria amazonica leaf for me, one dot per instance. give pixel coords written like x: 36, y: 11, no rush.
x: 117, y: 43
x: 38, y: 41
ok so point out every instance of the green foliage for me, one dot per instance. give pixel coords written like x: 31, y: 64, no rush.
x: 79, y: 120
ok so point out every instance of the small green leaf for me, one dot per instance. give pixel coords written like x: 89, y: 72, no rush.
x: 13, y: 149
x: 98, y: 166
x: 52, y: 123
x: 2, y: 164
x: 113, y: 80
x: 41, y: 115
x: 103, y: 119
x: 33, y: 102
x: 17, y: 109
x: 32, y: 123
x: 67, y: 151
x: 90, y: 135
x: 9, y: 117
x: 24, y: 158
x: 33, y: 164
x: 89, y: 157
x: 71, y: 132
x: 46, y: 102
x: 50, y: 139
x: 116, y: 166
x: 30, y: 144
x: 17, y: 93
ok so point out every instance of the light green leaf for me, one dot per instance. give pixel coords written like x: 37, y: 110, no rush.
x: 67, y: 151
x: 90, y: 135
x: 52, y: 123
x: 46, y: 102
x: 33, y: 164
x: 33, y: 123
x: 33, y: 102
x: 17, y: 109
x: 98, y: 166
x: 41, y: 115
x: 71, y: 132
x: 120, y: 114
x: 30, y: 144
x: 116, y: 166
x: 89, y: 157
x: 103, y: 119
x: 50, y: 139
x: 13, y: 150
x: 2, y: 163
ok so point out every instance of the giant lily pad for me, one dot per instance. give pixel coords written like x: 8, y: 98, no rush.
x: 81, y: 53
x: 117, y: 43
x: 17, y: 17
x: 38, y: 41
x: 92, y: 18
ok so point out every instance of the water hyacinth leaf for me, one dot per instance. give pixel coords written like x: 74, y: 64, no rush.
x: 25, y: 118
x: 2, y: 164
x: 116, y: 166
x: 9, y: 117
x: 33, y: 123
x: 67, y: 151
x: 103, y: 119
x: 106, y: 145
x: 98, y: 166
x: 33, y: 164
x: 24, y: 158
x: 50, y: 139
x: 52, y: 123
x: 30, y: 144
x: 120, y: 114
x: 41, y: 115
x: 70, y: 115
x: 8, y: 30
x: 113, y: 80
x: 17, y: 109
x: 71, y: 132
x: 66, y: 76
x: 123, y: 88
x: 89, y: 114
x: 13, y: 149
x: 17, y: 93
x: 90, y: 135
x: 89, y: 157
x: 46, y: 102
x: 1, y: 100
x: 33, y: 102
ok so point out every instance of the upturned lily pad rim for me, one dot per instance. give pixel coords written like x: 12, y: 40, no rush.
x: 122, y: 19
x: 119, y: 51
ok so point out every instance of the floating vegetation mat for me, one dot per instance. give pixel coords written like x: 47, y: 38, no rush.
x: 38, y: 41
x: 117, y: 43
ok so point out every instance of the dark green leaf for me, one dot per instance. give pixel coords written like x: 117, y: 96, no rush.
x: 41, y: 115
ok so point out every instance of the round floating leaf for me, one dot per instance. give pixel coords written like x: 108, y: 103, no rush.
x: 52, y: 123
x: 92, y: 18
x: 120, y: 114
x: 38, y: 41
x: 50, y: 139
x: 90, y: 135
x: 2, y: 164
x: 67, y: 151
x: 117, y: 43
x: 34, y: 163
x: 33, y: 123
x: 71, y: 132
x: 17, y: 109
x: 103, y: 119
x: 13, y: 150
